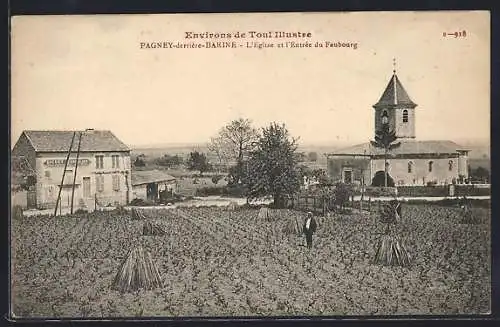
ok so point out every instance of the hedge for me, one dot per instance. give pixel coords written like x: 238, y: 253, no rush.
x: 423, y: 191
x: 440, y: 190
x: 471, y: 190
x: 380, y: 191
x: 233, y: 191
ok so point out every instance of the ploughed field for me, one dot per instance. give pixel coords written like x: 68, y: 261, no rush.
x: 216, y: 262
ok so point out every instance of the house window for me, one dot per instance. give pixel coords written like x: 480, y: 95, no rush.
x: 47, y: 173
x: 410, y: 167
x: 116, y: 161
x: 450, y: 165
x: 116, y: 182
x: 99, y: 162
x: 405, y: 116
x: 430, y: 166
x: 99, y: 182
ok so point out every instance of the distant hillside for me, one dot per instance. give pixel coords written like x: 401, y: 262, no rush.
x: 170, y: 149
x: 479, y: 154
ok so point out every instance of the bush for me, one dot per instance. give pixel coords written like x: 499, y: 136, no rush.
x: 471, y: 190
x: 207, y: 191
x: 236, y: 191
x: 141, y: 202
x: 342, y: 193
x: 17, y: 212
x: 233, y: 191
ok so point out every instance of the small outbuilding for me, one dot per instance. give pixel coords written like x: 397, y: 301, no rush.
x: 153, y: 185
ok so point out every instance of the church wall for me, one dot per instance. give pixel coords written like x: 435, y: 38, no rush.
x: 404, y: 129
x: 360, y: 166
x: 420, y: 175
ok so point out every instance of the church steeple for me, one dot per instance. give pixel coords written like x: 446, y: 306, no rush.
x: 396, y: 105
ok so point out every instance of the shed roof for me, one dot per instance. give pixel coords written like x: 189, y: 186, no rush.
x: 140, y: 177
x: 407, y: 147
x: 60, y: 141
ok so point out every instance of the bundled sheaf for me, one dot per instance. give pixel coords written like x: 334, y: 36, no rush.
x: 138, y: 271
x: 264, y: 214
x: 292, y: 226
x: 233, y: 205
x: 469, y: 218
x: 151, y: 228
x: 392, y: 252
x: 390, y: 212
x: 137, y: 214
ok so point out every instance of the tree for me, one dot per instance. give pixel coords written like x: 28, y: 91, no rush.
x: 233, y: 142
x: 169, y: 161
x: 301, y: 157
x: 480, y: 173
x: 342, y: 193
x: 272, y: 166
x: 385, y: 139
x: 312, y: 156
x: 139, y: 162
x: 198, y: 161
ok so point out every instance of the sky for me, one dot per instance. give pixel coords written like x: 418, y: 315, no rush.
x: 77, y: 72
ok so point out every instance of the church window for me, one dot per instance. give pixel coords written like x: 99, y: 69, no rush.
x: 385, y: 117
x: 430, y: 166
x: 450, y: 165
x: 410, y: 166
x: 405, y: 116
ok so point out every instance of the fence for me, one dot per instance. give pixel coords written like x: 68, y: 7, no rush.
x: 323, y: 204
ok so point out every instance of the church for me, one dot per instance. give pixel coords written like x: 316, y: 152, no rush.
x: 414, y: 162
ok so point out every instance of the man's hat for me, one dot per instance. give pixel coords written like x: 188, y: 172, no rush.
x: 309, y: 213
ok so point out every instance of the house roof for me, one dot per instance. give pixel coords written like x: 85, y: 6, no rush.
x: 60, y: 141
x: 140, y: 177
x: 395, y: 95
x: 407, y: 147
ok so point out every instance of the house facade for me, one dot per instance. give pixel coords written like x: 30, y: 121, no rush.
x: 414, y: 162
x: 102, y: 174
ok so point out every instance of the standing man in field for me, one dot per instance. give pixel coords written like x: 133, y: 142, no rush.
x: 309, y: 228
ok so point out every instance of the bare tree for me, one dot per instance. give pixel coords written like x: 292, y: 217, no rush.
x: 234, y: 141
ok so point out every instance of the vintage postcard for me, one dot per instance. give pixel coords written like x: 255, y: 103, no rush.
x: 250, y: 165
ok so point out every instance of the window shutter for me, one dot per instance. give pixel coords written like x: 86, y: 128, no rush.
x: 116, y: 182
x: 100, y: 183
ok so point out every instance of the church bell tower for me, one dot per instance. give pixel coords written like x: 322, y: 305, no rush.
x: 396, y: 108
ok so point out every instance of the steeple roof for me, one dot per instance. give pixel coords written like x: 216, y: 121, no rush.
x: 395, y: 95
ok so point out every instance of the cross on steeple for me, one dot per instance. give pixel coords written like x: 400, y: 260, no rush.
x: 394, y: 65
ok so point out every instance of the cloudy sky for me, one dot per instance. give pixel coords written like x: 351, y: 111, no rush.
x: 90, y: 72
